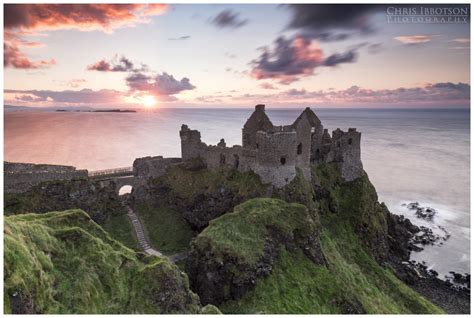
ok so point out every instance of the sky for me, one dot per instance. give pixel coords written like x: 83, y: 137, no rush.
x: 221, y: 55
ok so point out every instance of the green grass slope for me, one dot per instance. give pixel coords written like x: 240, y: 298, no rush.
x: 167, y: 231
x: 351, y: 282
x: 352, y: 239
x: 63, y: 262
x: 243, y: 232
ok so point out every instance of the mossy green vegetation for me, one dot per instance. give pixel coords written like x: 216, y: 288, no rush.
x: 17, y: 203
x: 244, y: 231
x: 189, y: 183
x: 350, y: 281
x: 355, y: 203
x: 79, y: 194
x: 166, y: 229
x: 120, y: 228
x: 210, y: 310
x: 63, y: 262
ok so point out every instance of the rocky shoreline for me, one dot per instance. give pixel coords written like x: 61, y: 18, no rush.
x: 453, y: 293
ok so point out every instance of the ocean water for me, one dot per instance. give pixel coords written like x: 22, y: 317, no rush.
x: 410, y: 155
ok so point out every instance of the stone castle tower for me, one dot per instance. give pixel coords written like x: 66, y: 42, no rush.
x: 275, y: 153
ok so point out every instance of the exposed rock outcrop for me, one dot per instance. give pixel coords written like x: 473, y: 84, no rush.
x: 237, y: 249
x: 199, y: 194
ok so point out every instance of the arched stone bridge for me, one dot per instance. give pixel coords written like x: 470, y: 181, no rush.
x: 120, y: 176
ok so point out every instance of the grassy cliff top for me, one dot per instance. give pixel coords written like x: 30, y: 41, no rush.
x: 63, y: 262
x: 187, y: 183
x: 243, y: 232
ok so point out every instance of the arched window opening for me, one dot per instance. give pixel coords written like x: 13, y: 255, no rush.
x: 283, y: 161
x: 350, y: 141
x: 299, y: 150
x: 236, y: 161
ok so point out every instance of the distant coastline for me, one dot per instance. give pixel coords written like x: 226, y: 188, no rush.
x: 98, y: 110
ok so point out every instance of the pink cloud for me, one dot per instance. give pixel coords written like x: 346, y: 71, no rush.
x: 24, y: 19
x: 413, y: 39
x: 289, y: 59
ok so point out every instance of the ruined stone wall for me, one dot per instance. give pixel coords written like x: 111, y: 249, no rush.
x: 345, y: 150
x: 191, y: 145
x: 275, y: 164
x: 220, y: 155
x: 258, y: 121
x: 21, y: 177
x: 153, y: 167
x: 303, y: 147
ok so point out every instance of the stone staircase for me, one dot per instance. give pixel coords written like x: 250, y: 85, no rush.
x: 142, y: 240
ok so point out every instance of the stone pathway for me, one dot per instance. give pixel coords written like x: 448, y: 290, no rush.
x: 143, y: 241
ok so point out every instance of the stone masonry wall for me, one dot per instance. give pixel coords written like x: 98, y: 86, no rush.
x: 21, y: 177
x: 153, y: 167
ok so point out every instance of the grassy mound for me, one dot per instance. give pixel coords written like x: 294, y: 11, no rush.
x: 101, y: 203
x: 167, y: 230
x: 353, y: 243
x: 351, y: 282
x: 63, y: 262
x: 243, y: 233
x: 238, y: 248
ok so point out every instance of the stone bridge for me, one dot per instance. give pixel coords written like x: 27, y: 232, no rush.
x: 120, y: 176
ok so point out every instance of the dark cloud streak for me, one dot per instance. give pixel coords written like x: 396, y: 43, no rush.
x: 228, y: 19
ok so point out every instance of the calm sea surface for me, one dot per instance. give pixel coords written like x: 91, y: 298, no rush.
x: 410, y: 155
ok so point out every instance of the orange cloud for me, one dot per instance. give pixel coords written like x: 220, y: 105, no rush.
x: 77, y: 16
x: 22, y: 19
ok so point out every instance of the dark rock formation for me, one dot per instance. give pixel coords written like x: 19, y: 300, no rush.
x: 99, y: 202
x: 200, y: 195
x: 426, y: 213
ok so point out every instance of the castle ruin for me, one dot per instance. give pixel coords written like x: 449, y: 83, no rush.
x: 275, y: 153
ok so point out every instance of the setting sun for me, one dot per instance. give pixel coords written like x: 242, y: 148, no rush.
x: 149, y: 101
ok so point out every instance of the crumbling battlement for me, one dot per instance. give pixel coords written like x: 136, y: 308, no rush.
x: 276, y: 152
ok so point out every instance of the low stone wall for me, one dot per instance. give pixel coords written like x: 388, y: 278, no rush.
x: 21, y: 177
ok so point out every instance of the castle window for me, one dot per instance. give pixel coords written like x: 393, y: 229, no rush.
x: 350, y: 141
x: 236, y: 161
x: 313, y: 130
x: 299, y: 150
x: 317, y: 151
x: 282, y: 160
x: 339, y: 144
x: 257, y: 145
x: 222, y: 160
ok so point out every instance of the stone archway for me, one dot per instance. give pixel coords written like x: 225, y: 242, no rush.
x: 125, y: 189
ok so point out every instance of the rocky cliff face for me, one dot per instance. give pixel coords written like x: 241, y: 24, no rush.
x: 199, y: 194
x: 99, y: 202
x: 342, y: 245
